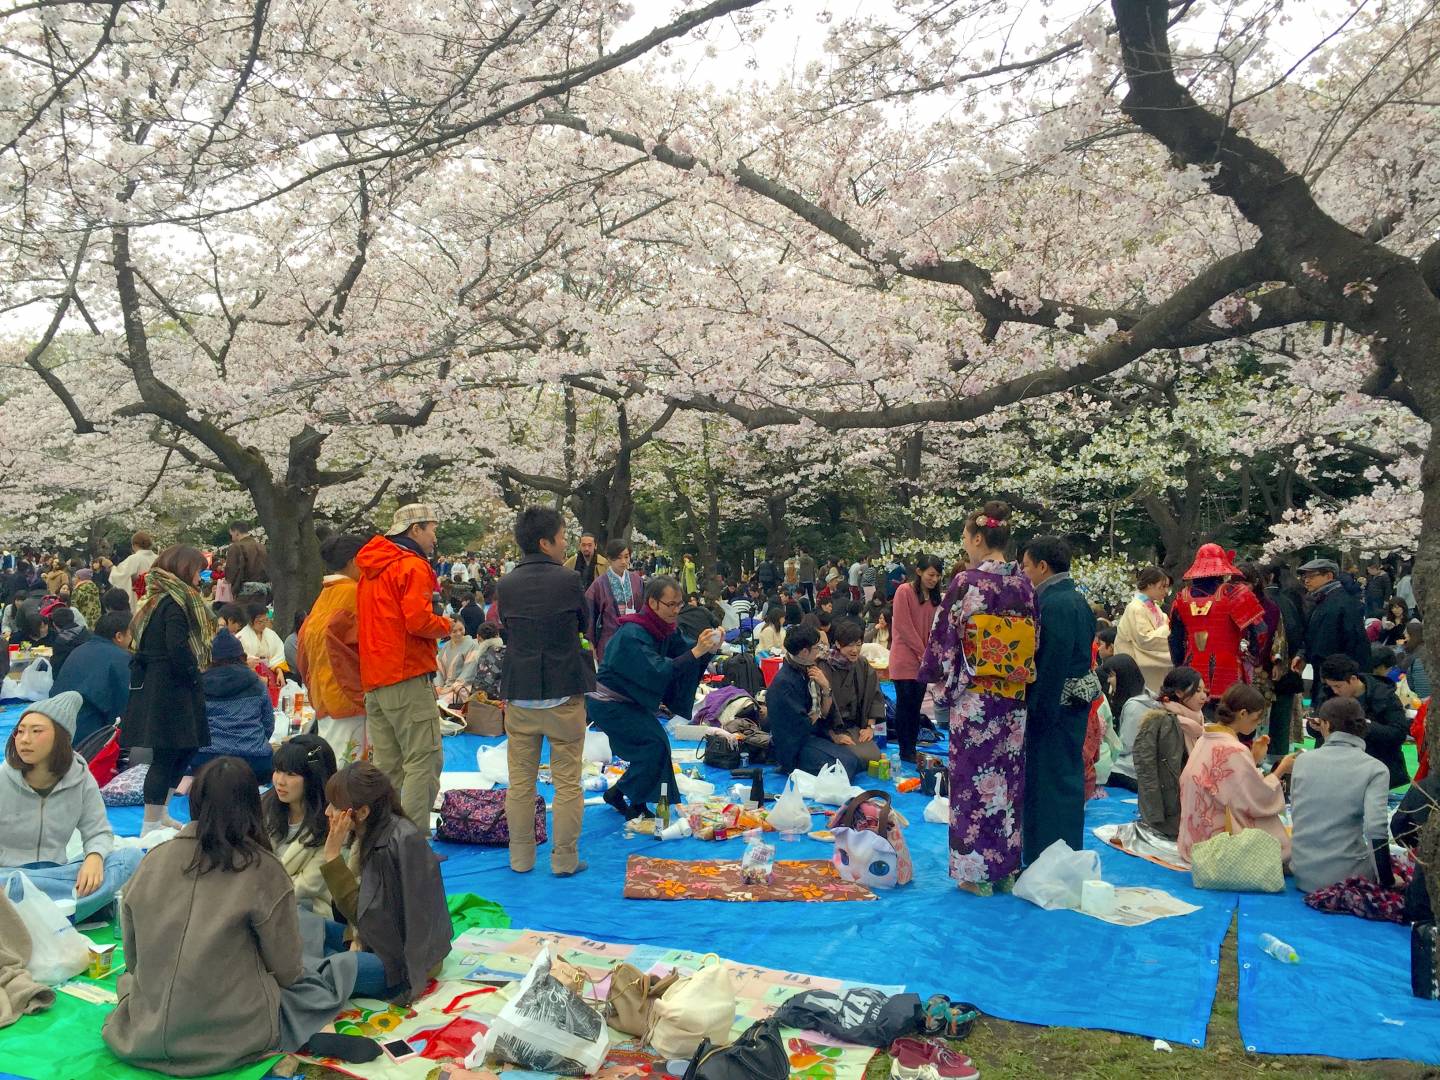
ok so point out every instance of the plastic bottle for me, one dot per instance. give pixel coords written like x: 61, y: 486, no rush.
x: 662, y: 808
x: 1278, y: 949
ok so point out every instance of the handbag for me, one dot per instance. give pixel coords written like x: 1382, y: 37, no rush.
x: 1000, y: 650
x: 758, y: 1054
x: 471, y: 816
x: 697, y: 1007
x: 632, y: 996
x: 1424, y: 980
x: 870, y: 846
x: 720, y: 753
x: 1246, y: 861
x: 484, y: 717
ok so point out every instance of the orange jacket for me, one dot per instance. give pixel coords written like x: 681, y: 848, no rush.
x: 398, y: 627
x: 328, y: 651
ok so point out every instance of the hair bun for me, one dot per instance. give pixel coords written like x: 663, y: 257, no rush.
x: 998, y: 509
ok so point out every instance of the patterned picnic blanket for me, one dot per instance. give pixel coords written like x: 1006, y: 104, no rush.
x: 807, y: 880
x: 491, y: 954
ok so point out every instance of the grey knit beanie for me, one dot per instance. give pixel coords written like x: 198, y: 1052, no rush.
x: 63, y: 709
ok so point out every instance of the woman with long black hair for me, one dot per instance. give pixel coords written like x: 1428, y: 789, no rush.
x: 912, y: 614
x: 295, y: 817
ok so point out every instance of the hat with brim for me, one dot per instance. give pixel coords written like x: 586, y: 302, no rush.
x: 1212, y: 561
x: 1320, y: 566
x: 411, y: 514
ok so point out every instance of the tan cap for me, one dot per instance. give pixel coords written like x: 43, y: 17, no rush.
x: 411, y: 514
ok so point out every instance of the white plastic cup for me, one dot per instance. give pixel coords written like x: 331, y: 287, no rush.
x: 676, y: 830
x: 1097, y: 897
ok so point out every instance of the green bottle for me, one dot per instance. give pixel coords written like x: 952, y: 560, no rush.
x: 662, y: 808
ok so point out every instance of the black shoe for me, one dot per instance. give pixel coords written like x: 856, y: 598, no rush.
x: 615, y: 799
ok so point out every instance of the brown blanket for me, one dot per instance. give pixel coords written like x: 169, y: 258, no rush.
x: 813, y: 881
x: 19, y: 993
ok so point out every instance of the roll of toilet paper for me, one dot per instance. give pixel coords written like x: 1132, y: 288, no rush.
x: 1097, y: 897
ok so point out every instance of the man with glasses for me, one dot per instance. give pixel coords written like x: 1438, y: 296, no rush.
x: 1336, y: 625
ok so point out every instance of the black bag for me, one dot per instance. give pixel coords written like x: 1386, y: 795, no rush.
x: 742, y: 671
x: 863, y: 1015
x: 1423, y: 981
x: 758, y: 1054
x: 96, y: 741
x: 720, y: 754
x: 935, y: 781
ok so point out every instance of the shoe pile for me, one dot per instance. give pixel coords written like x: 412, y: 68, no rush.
x: 913, y: 1058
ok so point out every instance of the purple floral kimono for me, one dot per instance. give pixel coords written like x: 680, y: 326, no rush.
x: 987, y: 729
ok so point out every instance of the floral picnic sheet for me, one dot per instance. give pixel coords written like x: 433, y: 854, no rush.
x: 803, y: 880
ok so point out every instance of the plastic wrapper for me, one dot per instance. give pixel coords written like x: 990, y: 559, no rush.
x: 546, y: 1027
x: 1055, y: 879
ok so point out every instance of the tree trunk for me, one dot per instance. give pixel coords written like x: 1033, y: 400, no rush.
x: 288, y: 518
x: 777, y: 533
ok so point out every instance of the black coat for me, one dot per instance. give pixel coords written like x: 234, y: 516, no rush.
x: 167, y: 698
x: 542, y: 607
x: 1336, y: 625
x: 1389, y: 727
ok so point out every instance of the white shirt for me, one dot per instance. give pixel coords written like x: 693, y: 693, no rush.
x: 268, y: 647
x: 855, y: 570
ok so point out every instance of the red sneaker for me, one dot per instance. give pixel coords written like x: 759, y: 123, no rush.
x: 911, y: 1055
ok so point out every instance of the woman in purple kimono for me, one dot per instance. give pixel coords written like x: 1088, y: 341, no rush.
x: 987, y: 714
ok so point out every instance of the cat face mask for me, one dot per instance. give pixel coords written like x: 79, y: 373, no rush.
x: 866, y: 857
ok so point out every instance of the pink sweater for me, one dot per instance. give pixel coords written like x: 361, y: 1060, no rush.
x: 910, y: 623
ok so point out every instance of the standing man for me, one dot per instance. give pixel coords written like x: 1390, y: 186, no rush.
x: 1054, y: 804
x: 856, y: 569
x: 245, y: 559
x: 806, y: 573
x: 544, y: 679
x: 1336, y: 625
x: 612, y: 596
x: 142, y: 556
x: 398, y: 631
x: 1377, y: 589
x: 328, y: 653
x: 586, y: 562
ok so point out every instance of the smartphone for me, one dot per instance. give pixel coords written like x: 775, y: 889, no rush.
x: 399, y: 1050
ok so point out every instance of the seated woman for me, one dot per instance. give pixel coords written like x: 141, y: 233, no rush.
x: 1222, y: 784
x: 212, y: 945
x: 1163, y: 739
x: 389, y: 890
x: 1120, y: 680
x: 260, y: 641
x: 237, y: 709
x: 295, y: 818
x: 798, y: 704
x: 46, y: 793
x: 455, y: 666
x: 771, y: 638
x: 1339, y: 796
x: 856, y: 701
x: 647, y: 664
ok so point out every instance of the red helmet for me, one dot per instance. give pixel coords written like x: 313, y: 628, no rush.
x: 1212, y: 561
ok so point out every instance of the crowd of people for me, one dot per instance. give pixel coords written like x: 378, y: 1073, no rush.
x: 306, y: 860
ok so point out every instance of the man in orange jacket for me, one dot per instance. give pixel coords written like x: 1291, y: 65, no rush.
x: 328, y: 653
x: 398, y: 634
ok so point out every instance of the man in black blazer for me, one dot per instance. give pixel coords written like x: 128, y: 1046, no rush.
x: 1336, y: 625
x: 1054, y: 806
x: 544, y: 680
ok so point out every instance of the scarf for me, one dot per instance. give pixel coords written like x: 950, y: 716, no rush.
x: 646, y: 617
x: 160, y: 584
x: 1192, y: 724
x: 816, y: 693
x: 620, y: 589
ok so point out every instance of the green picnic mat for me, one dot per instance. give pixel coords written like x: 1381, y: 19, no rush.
x: 63, y: 1042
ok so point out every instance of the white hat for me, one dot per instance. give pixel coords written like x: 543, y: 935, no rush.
x: 411, y: 514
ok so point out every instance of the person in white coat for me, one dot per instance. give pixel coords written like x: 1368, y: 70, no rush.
x: 1143, y: 631
x: 140, y: 559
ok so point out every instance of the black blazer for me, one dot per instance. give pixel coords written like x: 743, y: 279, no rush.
x: 542, y: 607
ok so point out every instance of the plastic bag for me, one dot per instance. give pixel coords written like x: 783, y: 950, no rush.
x: 545, y: 1027
x: 597, y: 747
x: 494, y: 766
x: 804, y: 783
x: 1054, y: 879
x: 692, y: 788
x: 789, y: 813
x: 757, y: 866
x: 833, y: 786
x: 938, y: 810
x: 36, y: 681
x: 57, y: 950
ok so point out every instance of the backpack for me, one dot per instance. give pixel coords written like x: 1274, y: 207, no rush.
x: 870, y: 847
x: 101, y: 751
x: 472, y: 816
x: 742, y: 671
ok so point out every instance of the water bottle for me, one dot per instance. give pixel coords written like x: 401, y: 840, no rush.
x: 1278, y: 949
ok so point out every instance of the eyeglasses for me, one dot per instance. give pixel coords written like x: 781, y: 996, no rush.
x: 671, y: 604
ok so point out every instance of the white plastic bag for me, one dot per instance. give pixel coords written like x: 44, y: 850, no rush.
x: 938, y: 810
x: 597, y: 747
x: 833, y: 786
x: 698, y: 1007
x: 57, y: 950
x: 789, y: 813
x: 494, y: 766
x: 803, y: 783
x: 692, y: 788
x: 36, y: 681
x: 1054, y: 880
x: 546, y: 1027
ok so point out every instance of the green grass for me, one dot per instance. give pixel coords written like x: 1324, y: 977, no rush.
x: 1006, y: 1051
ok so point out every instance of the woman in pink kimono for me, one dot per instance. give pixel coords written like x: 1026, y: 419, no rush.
x: 1222, y: 775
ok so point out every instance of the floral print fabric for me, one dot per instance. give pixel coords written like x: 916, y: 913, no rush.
x: 808, y: 880
x: 987, y: 728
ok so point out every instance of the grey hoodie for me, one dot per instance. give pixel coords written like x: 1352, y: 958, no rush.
x: 33, y: 829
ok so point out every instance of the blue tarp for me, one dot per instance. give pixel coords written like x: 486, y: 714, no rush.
x: 1352, y: 986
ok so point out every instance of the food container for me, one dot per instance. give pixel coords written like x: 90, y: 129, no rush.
x: 101, y: 959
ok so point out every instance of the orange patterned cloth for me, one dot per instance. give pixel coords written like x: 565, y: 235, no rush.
x: 810, y: 880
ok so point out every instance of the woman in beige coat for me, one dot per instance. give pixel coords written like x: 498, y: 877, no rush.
x: 1143, y: 632
x: 295, y: 819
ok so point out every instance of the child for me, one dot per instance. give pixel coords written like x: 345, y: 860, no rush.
x: 237, y: 709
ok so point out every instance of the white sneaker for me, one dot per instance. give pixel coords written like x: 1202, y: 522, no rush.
x: 912, y: 1072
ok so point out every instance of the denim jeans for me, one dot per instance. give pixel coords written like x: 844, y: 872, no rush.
x: 370, y: 971
x: 58, y: 881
